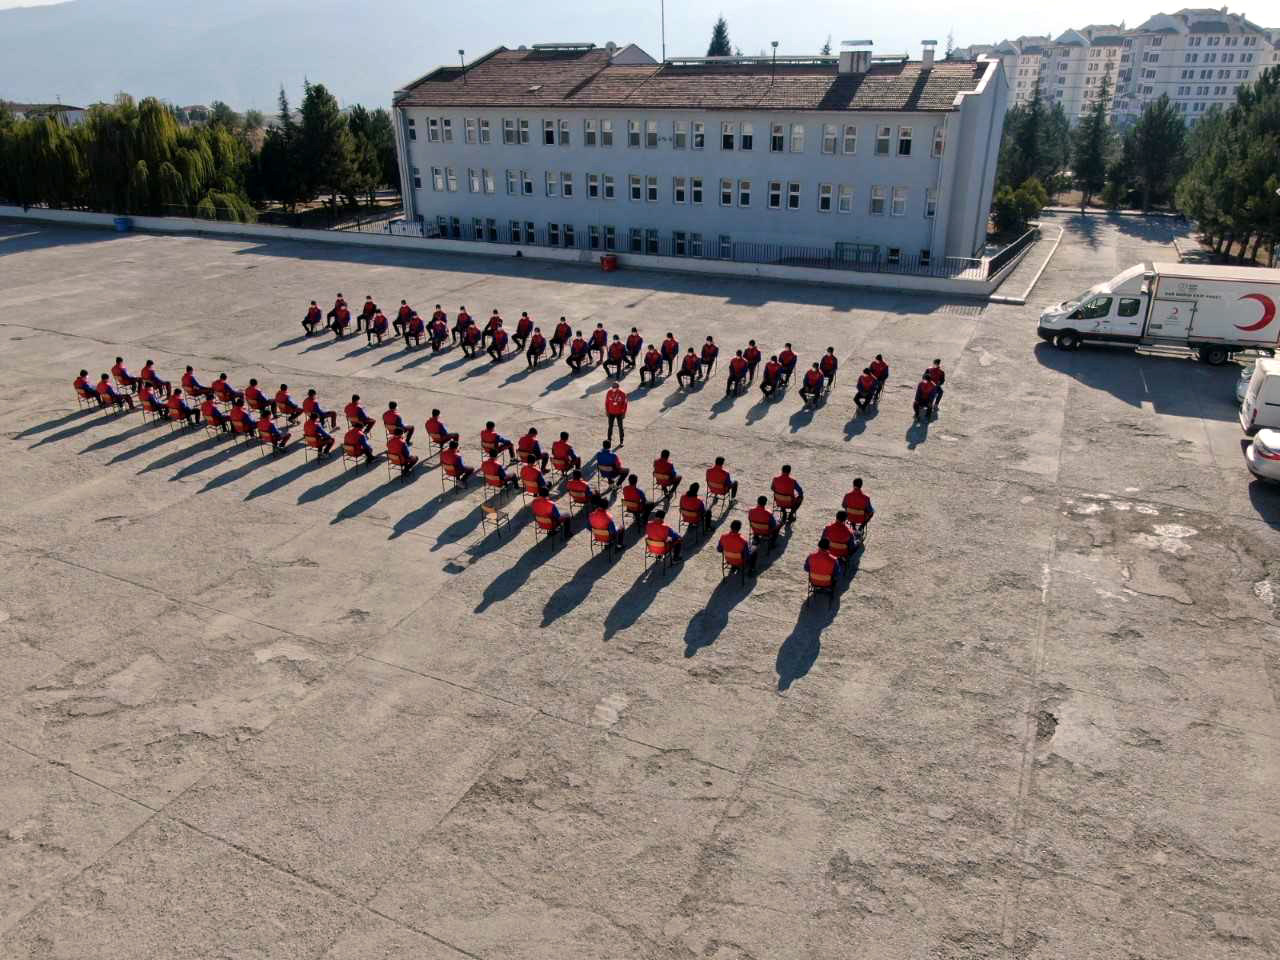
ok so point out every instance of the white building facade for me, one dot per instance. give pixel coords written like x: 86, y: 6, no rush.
x: 879, y: 161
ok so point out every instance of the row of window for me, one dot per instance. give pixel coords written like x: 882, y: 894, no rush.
x: 684, y: 190
x: 683, y: 134
x: 1250, y: 41
x: 1207, y: 75
x: 1212, y: 57
x: 1205, y: 91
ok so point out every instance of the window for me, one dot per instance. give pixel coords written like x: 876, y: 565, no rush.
x: 637, y: 240
x: 651, y: 242
x: 699, y: 134
x: 568, y: 235
x: 726, y: 247
x: 512, y: 186
x: 1129, y: 306
x: 489, y: 185
x: 437, y: 179
x: 530, y: 235
x: 828, y: 138
x: 608, y: 186
x: 925, y: 257
x: 747, y: 142
x: 606, y: 133
x: 633, y: 133
x: 824, y: 198
x: 895, y: 256
x: 548, y: 133
x: 473, y: 180
x: 726, y: 135
x: 433, y: 130
x: 553, y: 184
x: 797, y: 138
x: 844, y: 199
x: 930, y: 203
x: 695, y: 244
x: 1096, y: 309
x: 680, y: 243
x: 679, y: 135
x: 695, y: 189
x: 509, y: 131
x: 726, y: 193
x: 651, y: 189
x: 593, y: 186
x: 593, y: 237
x: 566, y: 184
x: 526, y: 183
x: 744, y: 193
x: 899, y: 208
x: 564, y: 142
x: 491, y: 227
x: 516, y: 235
x: 650, y: 134
x: 486, y: 135
x: 775, y: 194
x: 679, y: 192
x: 776, y: 138
x: 793, y: 196
x: 524, y: 131
x: 417, y: 180
x: 610, y: 238
x: 553, y: 234
x: 588, y: 133
x: 882, y: 141
x: 469, y: 132
x: 413, y: 130
x: 904, y: 141
x: 877, y: 201
x: 850, y: 138
x: 939, y: 141
x: 636, y: 186
x: 447, y: 127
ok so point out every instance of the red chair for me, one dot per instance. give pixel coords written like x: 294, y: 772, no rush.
x: 87, y: 399
x: 313, y: 443
x: 692, y: 520
x: 843, y: 551
x: 530, y: 487
x: 398, y: 461
x: 733, y: 563
x: 603, y: 541
x: 761, y: 532
x: 241, y: 428
x: 351, y: 453
x: 662, y: 482
x: 560, y: 466
x: 149, y: 406
x: 783, y: 501
x: 658, y: 552
x: 451, y: 473
x: 547, y: 527
x: 123, y: 384
x: 436, y: 444
x: 821, y: 583
x: 716, y: 492
x: 632, y: 512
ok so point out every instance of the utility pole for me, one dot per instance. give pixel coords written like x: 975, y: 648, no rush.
x: 662, y: 14
x: 774, y: 70
x: 463, y: 60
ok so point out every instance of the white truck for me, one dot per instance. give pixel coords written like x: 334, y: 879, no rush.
x: 1213, y: 310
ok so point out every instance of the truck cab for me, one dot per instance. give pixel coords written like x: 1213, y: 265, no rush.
x: 1113, y: 311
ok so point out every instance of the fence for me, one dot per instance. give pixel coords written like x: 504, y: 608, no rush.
x: 998, y: 262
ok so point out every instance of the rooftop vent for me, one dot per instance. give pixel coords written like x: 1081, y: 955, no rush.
x: 857, y: 58
x: 926, y: 60
x: 564, y: 46
x: 535, y: 88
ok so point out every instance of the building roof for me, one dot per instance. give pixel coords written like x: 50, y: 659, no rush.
x: 40, y: 107
x: 587, y: 78
x: 1072, y: 38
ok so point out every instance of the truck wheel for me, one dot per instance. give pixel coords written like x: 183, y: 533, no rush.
x: 1067, y: 340
x: 1215, y: 356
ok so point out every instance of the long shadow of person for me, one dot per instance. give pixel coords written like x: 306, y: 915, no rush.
x: 72, y: 417
x: 155, y: 443
x: 415, y: 518
x: 707, y: 624
x: 290, y: 342
x: 760, y: 410
x: 858, y: 423
x: 804, y: 416
x: 105, y: 442
x: 630, y: 607
x: 173, y: 459
x: 514, y: 577
x: 723, y: 405
x: 562, y: 381
x: 334, y: 483
x: 302, y: 468
x: 573, y: 591
x: 454, y: 364
x: 917, y: 433
x: 799, y: 652
x: 374, y: 496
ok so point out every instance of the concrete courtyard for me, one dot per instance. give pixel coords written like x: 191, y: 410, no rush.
x: 255, y: 707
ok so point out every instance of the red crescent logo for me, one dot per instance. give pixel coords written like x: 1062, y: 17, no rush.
x: 1268, y: 312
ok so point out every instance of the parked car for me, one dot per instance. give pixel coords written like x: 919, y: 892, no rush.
x: 1263, y: 455
x: 1242, y: 385
x: 1261, y: 404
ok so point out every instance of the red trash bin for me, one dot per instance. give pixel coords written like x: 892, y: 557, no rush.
x: 608, y: 263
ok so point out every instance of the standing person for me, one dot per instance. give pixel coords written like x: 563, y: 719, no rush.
x: 537, y: 347
x: 670, y: 351
x: 559, y: 337
x: 615, y: 408
x: 828, y: 365
x: 752, y: 356
x: 524, y: 327
x: 939, y: 377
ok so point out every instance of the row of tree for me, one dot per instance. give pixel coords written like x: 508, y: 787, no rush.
x: 138, y: 158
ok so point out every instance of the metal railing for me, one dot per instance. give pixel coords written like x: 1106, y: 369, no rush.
x: 997, y: 263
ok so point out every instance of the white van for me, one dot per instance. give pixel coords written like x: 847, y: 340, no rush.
x: 1261, y: 406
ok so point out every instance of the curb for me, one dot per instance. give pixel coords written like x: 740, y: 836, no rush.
x: 1096, y: 212
x: 1021, y: 300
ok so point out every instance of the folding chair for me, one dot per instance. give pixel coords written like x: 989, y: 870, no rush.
x: 436, y: 444
x: 604, y: 478
x: 603, y: 541
x: 180, y: 423
x: 658, y: 552
x: 716, y: 494
x: 731, y: 563
x: 240, y: 428
x: 560, y: 467
x: 151, y: 409
x: 692, y: 520
x: 313, y: 443
x: 490, y: 447
x: 496, y: 487
x: 87, y: 401
x: 398, y: 461
x: 491, y: 513
x: 821, y: 583
x: 530, y: 489
x: 546, y: 527
x: 762, y: 533
x: 844, y: 552
x: 631, y: 511
x: 124, y: 384
x: 451, y: 474
x: 351, y: 454
x: 662, y: 482
x: 782, y: 502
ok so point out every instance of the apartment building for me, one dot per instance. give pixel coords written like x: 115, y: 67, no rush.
x: 1021, y: 61
x: 562, y: 144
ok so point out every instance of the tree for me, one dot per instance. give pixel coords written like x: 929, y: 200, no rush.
x: 1159, y: 139
x: 826, y: 47
x: 720, y: 46
x: 1091, y: 149
x: 253, y: 120
x: 326, y: 147
x: 222, y: 115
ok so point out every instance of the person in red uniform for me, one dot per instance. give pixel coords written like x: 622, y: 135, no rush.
x: 366, y: 313
x: 737, y: 374
x: 939, y: 377
x: 690, y: 369
x: 601, y: 520
x: 376, y: 327
x: 537, y: 347
x: 524, y: 327
x: 213, y: 416
x: 822, y: 563
x: 438, y: 332
x: 492, y: 325
x: 392, y: 421
x: 811, y: 386
x: 665, y: 474
x: 401, y: 322
x: 193, y: 386
x: 670, y: 351
x: 341, y: 320
x: 461, y: 323
x: 657, y: 529
x: 437, y: 431
x: 268, y: 432
x: 311, y: 404
x: 634, y: 500
x: 107, y: 394
x: 693, y: 510
x: 285, y: 405
x: 858, y: 506
x: 788, y: 360
x: 545, y: 510
x: 223, y: 390
x: 599, y: 342
x: 312, y: 318
x: 414, y: 329
x: 635, y: 343
x: 828, y: 365
x: 784, y: 485
x: 122, y: 375
x: 178, y: 409
x: 562, y: 453
x: 355, y: 441
x: 709, y: 353
x: 579, y: 489
x: 493, y: 443
x: 356, y: 416
x: 735, y: 542
x: 148, y: 375
x: 398, y: 449
x: 559, y: 337
x: 879, y: 370
x: 651, y: 365
x: 923, y: 403
x: 147, y: 400
x: 719, y: 480
x: 609, y: 464
x: 439, y: 314
x: 752, y: 356
x: 451, y: 457
x: 84, y: 389
x: 578, y: 355
x: 258, y: 401
x: 471, y: 339
x: 771, y: 378
x: 615, y: 357
x: 321, y: 441
x: 530, y: 447
x: 496, y: 474
x: 865, y: 391
x: 339, y: 302
x: 498, y: 345
x: 241, y: 421
x: 531, y: 477
x: 615, y: 408
x: 764, y: 525
x: 842, y: 537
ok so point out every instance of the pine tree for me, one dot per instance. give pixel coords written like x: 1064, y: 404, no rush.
x: 327, y: 151
x: 826, y: 47
x: 1091, y: 149
x: 720, y: 46
x: 1159, y: 141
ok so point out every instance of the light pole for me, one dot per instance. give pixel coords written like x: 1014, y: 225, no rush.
x: 774, y: 72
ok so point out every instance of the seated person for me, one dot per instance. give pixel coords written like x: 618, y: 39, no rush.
x: 471, y: 340
x: 737, y: 373
x: 241, y: 421
x: 771, y: 379
x: 355, y: 444
x: 341, y: 320
x: 788, y: 360
x: 822, y: 565
x: 193, y: 386
x: 811, y: 386
x: 107, y: 395
x: 495, y: 474
x: 498, y: 345
x: 601, y: 522
x: 84, y: 389
x: 437, y: 431
x: 560, y: 337
x: 670, y: 351
x: 524, y: 327
x: 923, y: 401
x: 437, y: 333
x: 268, y: 432
x: 223, y: 390
x: 787, y: 491
x: 577, y: 353
x: 377, y: 327
x: 401, y: 323
x: 312, y: 318
x: 413, y: 330
x: 367, y: 313
x: 665, y: 475
x: 149, y: 375
x: 147, y: 400
x: 735, y: 543
x: 494, y: 443
x: 461, y: 324
x: 537, y: 347
x: 122, y: 375
x: 752, y: 356
x: 391, y: 420
x: 656, y: 530
x: 579, y: 489
x: 635, y: 343
x: 858, y: 505
x: 865, y: 390
x: 563, y: 456
x: 356, y: 417
x: 451, y: 460
x: 178, y: 409
x: 634, y: 502
x: 311, y: 404
x: 690, y: 369
x: 615, y: 356
x: 531, y: 478
x: 547, y: 515
x: 719, y: 481
x: 285, y: 405
x: 842, y: 537
x: 609, y: 464
x: 880, y: 370
x: 828, y: 365
x: 652, y: 364
x: 599, y: 342
x: 692, y: 510
x: 709, y: 353
x: 213, y: 416
x: 399, y: 452
x: 315, y: 435
x: 764, y: 525
x: 529, y: 447
x: 492, y: 326
x: 257, y: 401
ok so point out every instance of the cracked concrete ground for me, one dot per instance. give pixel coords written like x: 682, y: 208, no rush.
x: 256, y: 707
